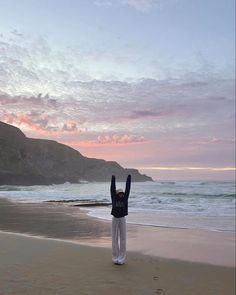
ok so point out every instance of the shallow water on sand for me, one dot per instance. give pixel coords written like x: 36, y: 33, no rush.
x: 200, y: 205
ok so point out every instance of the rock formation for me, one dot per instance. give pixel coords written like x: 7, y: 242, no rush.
x: 28, y: 161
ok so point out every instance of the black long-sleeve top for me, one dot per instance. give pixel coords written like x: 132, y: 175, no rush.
x: 120, y: 205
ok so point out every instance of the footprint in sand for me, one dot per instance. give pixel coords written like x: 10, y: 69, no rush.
x: 160, y: 291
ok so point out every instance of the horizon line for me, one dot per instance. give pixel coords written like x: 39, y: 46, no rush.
x: 184, y: 168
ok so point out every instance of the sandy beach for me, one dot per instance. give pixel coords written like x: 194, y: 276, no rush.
x: 63, y: 251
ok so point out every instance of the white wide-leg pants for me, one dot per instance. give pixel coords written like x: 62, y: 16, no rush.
x: 118, y: 240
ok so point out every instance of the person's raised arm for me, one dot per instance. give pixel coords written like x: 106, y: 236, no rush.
x: 128, y: 185
x: 113, y: 186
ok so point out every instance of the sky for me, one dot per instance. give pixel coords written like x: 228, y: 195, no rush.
x: 147, y: 83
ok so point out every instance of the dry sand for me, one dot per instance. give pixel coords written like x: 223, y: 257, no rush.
x: 45, y: 267
x: 30, y: 265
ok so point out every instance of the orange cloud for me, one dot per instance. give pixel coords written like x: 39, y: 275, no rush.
x: 38, y: 125
x: 19, y: 119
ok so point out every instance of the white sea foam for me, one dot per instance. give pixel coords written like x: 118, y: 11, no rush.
x: 205, y: 205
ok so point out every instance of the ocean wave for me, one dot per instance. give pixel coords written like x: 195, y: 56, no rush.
x: 9, y: 188
x: 207, y: 195
x: 166, y: 197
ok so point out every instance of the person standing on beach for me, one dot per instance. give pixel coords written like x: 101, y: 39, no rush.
x: 119, y: 211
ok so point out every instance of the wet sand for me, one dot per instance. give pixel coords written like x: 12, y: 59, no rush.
x: 60, y: 221
x: 31, y: 265
x: 50, y: 220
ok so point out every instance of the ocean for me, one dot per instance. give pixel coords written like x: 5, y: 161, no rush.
x: 174, y: 204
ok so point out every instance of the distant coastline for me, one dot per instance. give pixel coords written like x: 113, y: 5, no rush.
x: 28, y: 161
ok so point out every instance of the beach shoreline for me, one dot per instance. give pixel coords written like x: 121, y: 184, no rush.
x: 55, y: 249
x: 63, y: 222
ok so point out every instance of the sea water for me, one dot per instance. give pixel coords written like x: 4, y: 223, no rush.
x: 177, y: 204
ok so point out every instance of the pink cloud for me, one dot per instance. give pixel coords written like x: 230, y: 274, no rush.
x: 125, y: 154
x: 119, y: 139
x: 213, y: 141
x: 106, y: 140
x: 37, y: 125
x: 20, y: 118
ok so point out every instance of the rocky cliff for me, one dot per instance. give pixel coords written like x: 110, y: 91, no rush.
x: 28, y: 161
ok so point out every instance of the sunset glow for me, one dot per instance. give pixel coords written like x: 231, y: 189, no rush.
x: 190, y: 168
x: 118, y: 80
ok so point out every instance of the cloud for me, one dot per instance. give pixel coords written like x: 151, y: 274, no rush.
x: 25, y: 119
x: 214, y: 141
x: 117, y: 139
x: 147, y: 114
x: 147, y: 107
x: 41, y: 124
x: 41, y: 101
x: 17, y: 33
x: 32, y: 64
x: 182, y: 119
x: 139, y: 5
x: 34, y: 120
x: 70, y: 126
x: 107, y: 140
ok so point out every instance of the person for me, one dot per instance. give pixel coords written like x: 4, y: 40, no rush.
x: 119, y: 211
